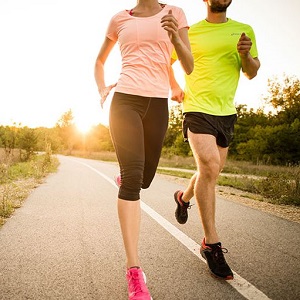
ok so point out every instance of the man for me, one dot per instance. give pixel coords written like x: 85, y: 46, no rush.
x: 222, y: 48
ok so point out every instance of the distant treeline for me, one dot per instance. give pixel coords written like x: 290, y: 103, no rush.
x: 260, y: 137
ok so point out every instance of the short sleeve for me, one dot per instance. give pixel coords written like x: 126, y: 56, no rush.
x: 111, y: 31
x: 182, y: 23
x: 251, y: 35
x: 181, y: 18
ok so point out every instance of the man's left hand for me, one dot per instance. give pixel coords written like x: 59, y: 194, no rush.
x: 244, y: 45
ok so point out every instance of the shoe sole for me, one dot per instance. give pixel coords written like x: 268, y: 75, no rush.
x: 212, y: 273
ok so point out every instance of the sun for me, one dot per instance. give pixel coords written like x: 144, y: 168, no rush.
x: 83, y: 125
x: 86, y: 118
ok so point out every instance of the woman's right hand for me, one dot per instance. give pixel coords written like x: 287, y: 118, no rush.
x: 105, y: 92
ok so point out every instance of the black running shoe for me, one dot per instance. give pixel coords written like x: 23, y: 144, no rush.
x: 216, y: 261
x: 181, y: 213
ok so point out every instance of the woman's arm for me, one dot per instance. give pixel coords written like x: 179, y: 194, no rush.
x: 99, y: 75
x: 180, y: 40
x: 183, y: 51
x: 177, y: 94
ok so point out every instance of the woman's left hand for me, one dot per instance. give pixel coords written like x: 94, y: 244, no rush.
x: 177, y: 94
x: 170, y: 24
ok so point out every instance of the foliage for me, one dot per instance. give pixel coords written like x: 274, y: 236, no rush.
x: 174, y: 143
x: 98, y: 139
x: 272, y: 138
x: 282, y: 188
x: 18, y: 178
x: 284, y: 96
x: 268, y: 138
x: 8, y: 137
x: 66, y: 131
x: 27, y: 143
x: 260, y: 138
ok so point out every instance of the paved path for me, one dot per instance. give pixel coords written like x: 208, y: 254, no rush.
x: 65, y: 243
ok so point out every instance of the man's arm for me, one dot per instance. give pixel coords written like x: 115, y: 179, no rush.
x: 250, y: 65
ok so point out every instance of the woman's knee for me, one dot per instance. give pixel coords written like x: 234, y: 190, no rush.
x: 132, y: 180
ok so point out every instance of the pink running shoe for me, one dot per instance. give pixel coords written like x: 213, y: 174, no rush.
x: 117, y: 179
x: 137, y: 289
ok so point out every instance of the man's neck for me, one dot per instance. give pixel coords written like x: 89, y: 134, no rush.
x: 216, y: 17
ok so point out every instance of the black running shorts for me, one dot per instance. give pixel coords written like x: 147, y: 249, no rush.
x: 222, y: 127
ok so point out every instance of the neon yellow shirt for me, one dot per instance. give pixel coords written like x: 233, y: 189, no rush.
x: 211, y: 87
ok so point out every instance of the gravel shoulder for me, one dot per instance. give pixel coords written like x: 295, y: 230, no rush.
x: 288, y: 212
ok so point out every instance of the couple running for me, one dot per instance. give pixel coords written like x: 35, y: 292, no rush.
x: 212, y: 53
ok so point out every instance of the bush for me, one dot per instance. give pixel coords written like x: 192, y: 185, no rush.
x: 282, y: 188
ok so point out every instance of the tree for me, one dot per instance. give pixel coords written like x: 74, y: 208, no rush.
x: 175, y: 126
x: 174, y: 143
x: 273, y: 138
x: 98, y: 139
x: 284, y: 96
x: 48, y: 137
x: 8, y: 138
x: 67, y: 130
x: 27, y: 141
x: 246, y: 121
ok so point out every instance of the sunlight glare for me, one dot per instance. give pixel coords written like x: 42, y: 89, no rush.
x: 83, y: 125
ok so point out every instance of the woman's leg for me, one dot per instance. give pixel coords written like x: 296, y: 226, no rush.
x: 138, y: 126
x: 130, y: 218
x: 155, y: 126
x: 127, y: 134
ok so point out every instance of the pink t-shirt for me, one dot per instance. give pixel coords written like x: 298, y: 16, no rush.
x: 146, y: 52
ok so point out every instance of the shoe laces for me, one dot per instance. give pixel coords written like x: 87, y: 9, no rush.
x: 217, y: 253
x: 184, y: 205
x: 183, y: 209
x: 136, y: 283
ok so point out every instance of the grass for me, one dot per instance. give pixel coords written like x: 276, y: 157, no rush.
x: 104, y: 155
x: 277, y: 184
x: 17, y: 179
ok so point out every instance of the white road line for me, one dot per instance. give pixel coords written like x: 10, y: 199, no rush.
x: 242, y: 286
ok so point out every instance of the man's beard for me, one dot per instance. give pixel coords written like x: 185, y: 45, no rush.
x: 217, y: 7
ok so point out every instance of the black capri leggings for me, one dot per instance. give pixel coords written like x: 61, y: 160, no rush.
x: 137, y: 126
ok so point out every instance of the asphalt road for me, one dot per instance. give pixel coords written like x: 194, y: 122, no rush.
x: 65, y: 243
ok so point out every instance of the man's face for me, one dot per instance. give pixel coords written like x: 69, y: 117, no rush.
x: 218, y: 6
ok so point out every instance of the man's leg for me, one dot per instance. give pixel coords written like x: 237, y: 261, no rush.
x: 207, y: 157
x: 210, y: 159
x: 188, y: 193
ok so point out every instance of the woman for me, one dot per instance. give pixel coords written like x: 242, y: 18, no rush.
x: 147, y: 34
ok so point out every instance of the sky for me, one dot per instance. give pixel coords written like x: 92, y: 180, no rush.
x: 48, y: 50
